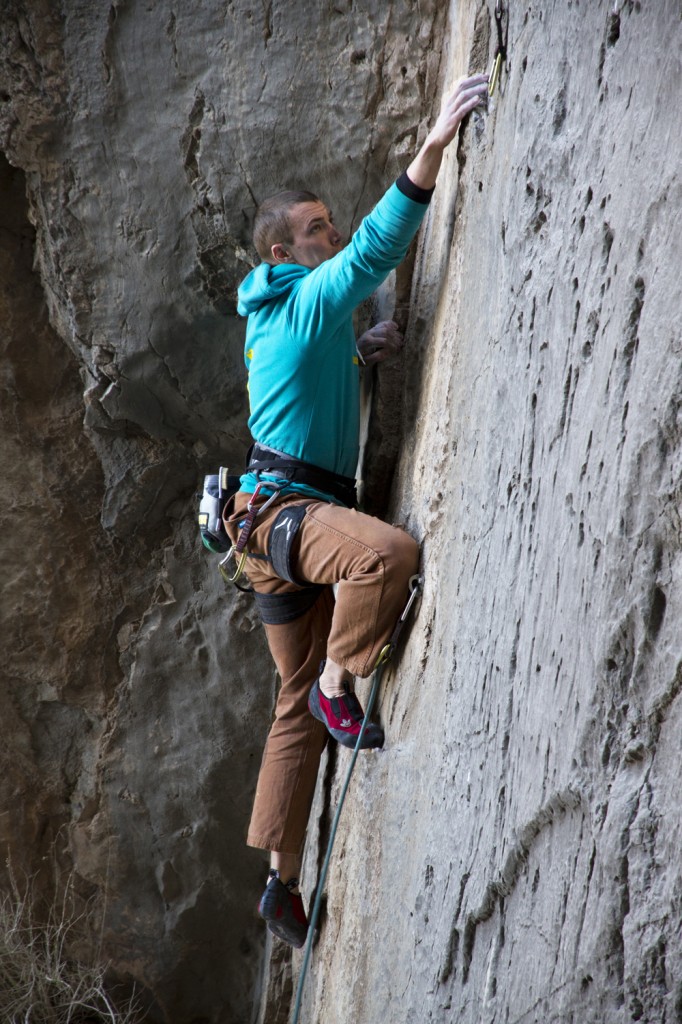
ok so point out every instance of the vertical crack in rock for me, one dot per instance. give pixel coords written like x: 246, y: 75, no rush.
x: 632, y: 330
x: 191, y: 138
x: 385, y: 428
x: 267, y: 21
x: 452, y: 947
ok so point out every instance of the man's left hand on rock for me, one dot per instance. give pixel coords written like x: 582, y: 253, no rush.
x: 384, y: 341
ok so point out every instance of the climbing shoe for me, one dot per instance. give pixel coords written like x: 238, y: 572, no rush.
x: 343, y: 717
x: 283, y: 911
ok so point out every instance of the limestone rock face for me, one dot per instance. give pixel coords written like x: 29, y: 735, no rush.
x: 137, y: 690
x: 513, y: 853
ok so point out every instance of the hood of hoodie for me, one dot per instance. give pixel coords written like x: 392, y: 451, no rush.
x: 266, y: 283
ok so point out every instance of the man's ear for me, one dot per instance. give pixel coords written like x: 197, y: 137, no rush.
x: 279, y: 253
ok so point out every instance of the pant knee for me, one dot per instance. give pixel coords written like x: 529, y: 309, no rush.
x: 403, y: 556
x: 409, y: 548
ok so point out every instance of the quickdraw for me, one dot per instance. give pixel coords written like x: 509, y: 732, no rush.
x: 414, y: 584
x: 500, y: 57
x: 238, y: 550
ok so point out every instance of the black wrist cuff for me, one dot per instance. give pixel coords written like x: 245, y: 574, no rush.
x: 412, y: 191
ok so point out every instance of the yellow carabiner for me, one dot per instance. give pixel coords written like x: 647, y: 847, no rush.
x: 238, y: 571
x: 494, y: 74
x: 384, y: 655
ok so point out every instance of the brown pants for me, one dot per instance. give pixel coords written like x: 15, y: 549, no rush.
x: 372, y: 564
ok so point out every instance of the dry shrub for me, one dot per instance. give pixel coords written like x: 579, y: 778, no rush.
x: 40, y: 983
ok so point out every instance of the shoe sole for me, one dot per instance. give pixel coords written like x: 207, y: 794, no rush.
x: 267, y: 909
x: 372, y: 739
x: 281, y: 931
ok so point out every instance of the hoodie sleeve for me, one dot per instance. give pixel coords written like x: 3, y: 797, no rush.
x: 329, y: 294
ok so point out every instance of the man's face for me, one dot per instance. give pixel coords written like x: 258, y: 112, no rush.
x: 315, y: 239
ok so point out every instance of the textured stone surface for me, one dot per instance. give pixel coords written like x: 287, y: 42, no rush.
x: 131, y: 716
x: 513, y: 854
x: 522, y: 862
x: 138, y: 690
x: 163, y: 130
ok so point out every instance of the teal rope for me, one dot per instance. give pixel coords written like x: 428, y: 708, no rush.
x: 312, y: 924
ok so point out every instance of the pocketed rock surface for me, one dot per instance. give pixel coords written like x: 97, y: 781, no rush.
x: 513, y: 853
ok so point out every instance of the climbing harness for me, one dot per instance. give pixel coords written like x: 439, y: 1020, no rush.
x: 276, y: 609
x: 282, y: 470
x: 415, y: 585
x: 238, y: 550
x: 277, y: 464
x: 281, y: 542
x: 500, y: 57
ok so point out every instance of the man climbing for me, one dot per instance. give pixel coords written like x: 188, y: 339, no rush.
x: 294, y: 517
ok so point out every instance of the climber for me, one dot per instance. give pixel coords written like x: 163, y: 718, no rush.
x: 302, y: 360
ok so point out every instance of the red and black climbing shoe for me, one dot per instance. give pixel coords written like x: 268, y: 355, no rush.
x: 283, y: 910
x: 343, y: 717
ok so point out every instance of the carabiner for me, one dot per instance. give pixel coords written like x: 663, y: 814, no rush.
x: 277, y: 487
x: 494, y: 74
x: 249, y: 504
x: 240, y: 565
x: 501, y: 52
x: 384, y: 654
x: 252, y: 512
x: 415, y: 584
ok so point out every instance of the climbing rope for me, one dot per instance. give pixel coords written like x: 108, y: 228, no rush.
x: 415, y: 585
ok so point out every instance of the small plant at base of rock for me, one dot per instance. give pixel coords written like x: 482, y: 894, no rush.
x: 40, y: 983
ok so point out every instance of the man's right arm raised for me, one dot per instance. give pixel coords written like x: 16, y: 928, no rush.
x: 334, y: 289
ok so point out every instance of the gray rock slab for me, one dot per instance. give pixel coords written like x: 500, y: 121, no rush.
x: 513, y: 855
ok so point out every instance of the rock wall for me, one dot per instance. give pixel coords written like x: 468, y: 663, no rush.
x: 513, y: 854
x: 137, y: 689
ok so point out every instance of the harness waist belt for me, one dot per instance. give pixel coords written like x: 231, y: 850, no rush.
x: 279, y: 464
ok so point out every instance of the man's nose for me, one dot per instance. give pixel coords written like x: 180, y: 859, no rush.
x: 334, y: 235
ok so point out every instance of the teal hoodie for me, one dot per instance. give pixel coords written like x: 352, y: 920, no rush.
x: 300, y: 345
